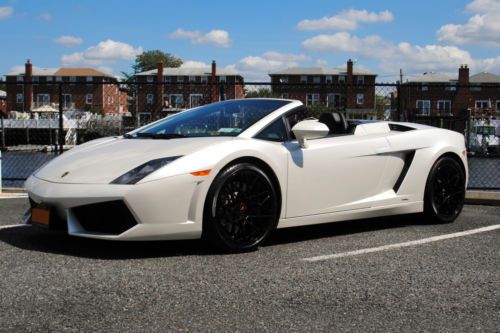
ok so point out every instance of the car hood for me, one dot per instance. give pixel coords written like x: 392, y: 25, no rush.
x: 103, y: 160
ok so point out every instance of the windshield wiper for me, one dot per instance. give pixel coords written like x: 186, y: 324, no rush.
x: 164, y: 136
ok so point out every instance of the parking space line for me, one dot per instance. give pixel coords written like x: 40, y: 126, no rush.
x: 13, y: 196
x: 400, y: 245
x: 13, y: 226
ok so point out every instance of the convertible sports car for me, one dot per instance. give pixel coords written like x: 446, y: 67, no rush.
x: 231, y: 172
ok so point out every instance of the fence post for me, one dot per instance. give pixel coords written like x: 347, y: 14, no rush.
x: 469, y: 126
x: 400, y: 102
x: 61, y: 121
x: 222, y: 92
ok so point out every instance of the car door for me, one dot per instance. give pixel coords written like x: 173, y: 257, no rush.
x: 333, y: 174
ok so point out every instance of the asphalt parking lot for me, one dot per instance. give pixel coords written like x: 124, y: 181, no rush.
x: 52, y: 282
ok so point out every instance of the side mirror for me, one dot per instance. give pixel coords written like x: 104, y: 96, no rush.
x: 309, y: 129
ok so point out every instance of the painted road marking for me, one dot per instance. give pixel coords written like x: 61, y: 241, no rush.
x: 13, y: 196
x: 399, y: 245
x: 13, y: 226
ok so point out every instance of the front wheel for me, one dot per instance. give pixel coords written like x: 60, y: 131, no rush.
x: 241, y: 208
x: 444, y: 191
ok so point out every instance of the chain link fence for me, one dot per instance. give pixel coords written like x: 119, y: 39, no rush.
x: 60, y: 115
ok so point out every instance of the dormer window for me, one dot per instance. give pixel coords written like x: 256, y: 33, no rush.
x: 341, y: 78
x: 150, y: 78
x: 303, y: 79
x: 360, y: 79
x: 328, y: 79
x: 316, y: 79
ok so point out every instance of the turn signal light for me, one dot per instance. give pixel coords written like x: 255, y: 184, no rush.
x: 201, y: 173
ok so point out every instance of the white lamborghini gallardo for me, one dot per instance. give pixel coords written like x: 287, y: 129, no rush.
x: 232, y: 172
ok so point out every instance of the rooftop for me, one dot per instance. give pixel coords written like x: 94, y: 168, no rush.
x: 61, y: 71
x: 485, y: 77
x: 432, y: 77
x: 320, y: 71
x: 184, y: 71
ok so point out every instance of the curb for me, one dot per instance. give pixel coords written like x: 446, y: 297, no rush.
x: 482, y: 198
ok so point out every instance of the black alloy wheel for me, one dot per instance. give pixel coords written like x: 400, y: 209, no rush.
x: 241, y: 208
x: 445, y: 191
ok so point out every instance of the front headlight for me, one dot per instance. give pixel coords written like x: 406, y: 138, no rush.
x: 136, y: 174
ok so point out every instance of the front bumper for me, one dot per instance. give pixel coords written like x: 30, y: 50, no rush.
x: 159, y: 210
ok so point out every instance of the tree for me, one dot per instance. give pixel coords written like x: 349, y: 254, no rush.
x: 149, y: 60
x: 262, y: 93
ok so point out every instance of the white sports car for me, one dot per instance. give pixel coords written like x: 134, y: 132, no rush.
x: 232, y: 172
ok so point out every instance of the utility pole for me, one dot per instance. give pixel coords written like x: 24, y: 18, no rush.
x: 401, y: 75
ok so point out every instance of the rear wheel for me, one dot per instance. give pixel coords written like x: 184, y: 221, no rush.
x: 241, y: 208
x: 445, y: 191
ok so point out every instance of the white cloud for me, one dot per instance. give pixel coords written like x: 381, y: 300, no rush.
x: 483, y: 28
x: 69, y: 40
x: 412, y: 58
x: 346, y: 20
x: 257, y: 68
x: 45, y: 16
x: 219, y: 38
x: 105, y: 53
x: 6, y: 12
x: 194, y: 64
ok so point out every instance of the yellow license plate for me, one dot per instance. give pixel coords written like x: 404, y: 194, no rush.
x: 40, y: 216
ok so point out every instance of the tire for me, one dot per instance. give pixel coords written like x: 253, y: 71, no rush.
x: 445, y: 191
x: 241, y: 209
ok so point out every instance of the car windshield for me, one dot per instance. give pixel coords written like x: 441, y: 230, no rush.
x: 228, y: 118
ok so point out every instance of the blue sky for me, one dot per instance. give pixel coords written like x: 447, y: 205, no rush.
x: 256, y: 37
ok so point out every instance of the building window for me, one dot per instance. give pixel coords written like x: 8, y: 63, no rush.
x: 89, y: 99
x: 424, y: 87
x: 67, y: 104
x: 176, y: 101
x: 72, y: 79
x: 49, y: 79
x: 192, y: 79
x: 316, y: 79
x: 360, y: 79
x: 284, y: 96
x: 42, y: 100
x: 424, y: 106
x: 180, y: 81
x: 195, y: 100
x: 20, y: 78
x: 303, y: 79
x: 360, y: 99
x: 329, y: 79
x: 204, y: 79
x: 451, y: 87
x: 35, y: 79
x: 59, y: 79
x: 150, y: 78
x: 482, y: 104
x: 150, y: 98
x: 167, y: 79
x: 475, y: 88
x: 342, y: 79
x: 222, y: 78
x: 312, y: 99
x: 444, y: 106
x: 333, y: 101
x: 284, y: 79
x: 498, y: 105
x: 19, y: 98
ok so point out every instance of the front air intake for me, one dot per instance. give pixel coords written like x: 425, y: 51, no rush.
x: 111, y: 217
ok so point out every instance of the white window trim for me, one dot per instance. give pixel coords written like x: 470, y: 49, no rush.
x: 303, y: 79
x: 482, y: 101
x: 333, y: 99
x: 329, y: 79
x: 89, y: 101
x: 360, y: 79
x: 192, y: 78
x: 313, y: 99
x: 38, y: 99
x: 167, y: 79
x: 204, y: 79
x: 342, y: 78
x: 222, y: 78
x: 19, y: 98
x: 284, y: 79
x: 444, y: 101
x: 358, y: 97
x: 317, y: 79
x: 150, y: 78
x: 170, y: 100
x: 190, y: 100
x: 150, y: 99
x: 423, y: 110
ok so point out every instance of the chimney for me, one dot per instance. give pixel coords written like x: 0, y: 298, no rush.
x: 159, y: 90
x: 28, y: 87
x: 215, y: 95
x: 463, y: 74
x: 349, y: 72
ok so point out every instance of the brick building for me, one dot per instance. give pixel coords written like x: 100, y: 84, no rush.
x: 352, y: 91
x: 166, y: 90
x: 435, y: 94
x: 82, y: 89
x: 3, y: 102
